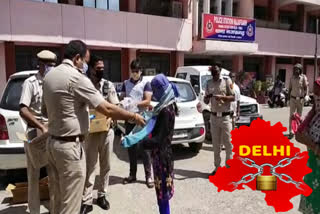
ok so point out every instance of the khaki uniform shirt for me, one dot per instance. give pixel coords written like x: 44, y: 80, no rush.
x: 221, y: 87
x: 31, y: 96
x: 67, y: 93
x: 108, y: 91
x: 297, y: 86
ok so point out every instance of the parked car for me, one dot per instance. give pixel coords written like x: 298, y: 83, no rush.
x: 12, y: 154
x: 199, y: 77
x: 189, y: 126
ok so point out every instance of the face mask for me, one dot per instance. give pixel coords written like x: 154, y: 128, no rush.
x: 99, y: 75
x: 48, y: 68
x: 85, y: 67
x: 135, y: 76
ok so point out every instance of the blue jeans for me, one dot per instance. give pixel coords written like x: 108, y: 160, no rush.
x: 164, y: 206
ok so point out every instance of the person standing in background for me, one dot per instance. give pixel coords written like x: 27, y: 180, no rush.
x: 30, y: 111
x: 298, y: 90
x: 139, y: 91
x: 98, y: 144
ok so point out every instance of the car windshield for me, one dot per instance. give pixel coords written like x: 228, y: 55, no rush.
x: 186, y: 92
x: 204, y: 81
x: 11, y: 96
x: 182, y: 76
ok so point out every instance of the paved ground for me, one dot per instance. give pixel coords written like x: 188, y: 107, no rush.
x: 194, y: 194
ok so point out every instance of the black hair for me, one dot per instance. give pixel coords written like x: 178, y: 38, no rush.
x: 135, y: 64
x: 217, y: 63
x: 75, y: 47
x: 94, y: 59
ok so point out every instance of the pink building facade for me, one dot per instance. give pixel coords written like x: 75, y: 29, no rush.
x: 164, y: 34
x: 285, y: 35
x: 119, y: 35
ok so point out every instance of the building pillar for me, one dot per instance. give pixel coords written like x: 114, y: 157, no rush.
x: 246, y: 8
x: 218, y: 7
x: 237, y: 63
x: 176, y: 60
x: 127, y: 55
x: 206, y: 6
x: 195, y: 19
x: 273, y: 11
x: 300, y: 18
x: 2, y: 67
x: 10, y: 56
x: 132, y: 6
x: 229, y: 7
x: 269, y: 66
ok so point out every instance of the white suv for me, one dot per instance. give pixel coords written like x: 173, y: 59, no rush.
x: 12, y: 154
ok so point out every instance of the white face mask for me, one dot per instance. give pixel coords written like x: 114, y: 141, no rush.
x: 85, y: 68
x: 135, y: 76
x: 48, y: 68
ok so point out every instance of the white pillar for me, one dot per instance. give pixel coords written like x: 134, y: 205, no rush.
x: 206, y: 6
x: 218, y: 6
x: 195, y: 19
x: 229, y: 7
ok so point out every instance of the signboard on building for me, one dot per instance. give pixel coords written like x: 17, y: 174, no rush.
x: 228, y: 28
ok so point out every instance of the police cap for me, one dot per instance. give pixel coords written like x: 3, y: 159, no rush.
x: 47, y: 55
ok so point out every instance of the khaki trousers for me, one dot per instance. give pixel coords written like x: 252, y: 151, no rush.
x: 220, y: 131
x: 97, y: 144
x: 295, y: 106
x: 67, y: 175
x: 36, y: 159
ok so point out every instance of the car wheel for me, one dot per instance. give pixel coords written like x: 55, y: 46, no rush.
x: 195, y: 147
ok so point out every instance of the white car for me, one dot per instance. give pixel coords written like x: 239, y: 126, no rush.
x: 189, y: 126
x: 198, y: 77
x: 12, y: 154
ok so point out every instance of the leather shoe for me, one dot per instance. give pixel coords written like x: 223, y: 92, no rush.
x: 103, y: 203
x: 86, y: 209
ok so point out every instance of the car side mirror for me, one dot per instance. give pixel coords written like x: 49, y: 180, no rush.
x: 196, y: 89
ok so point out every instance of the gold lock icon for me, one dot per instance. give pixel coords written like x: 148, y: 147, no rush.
x: 266, y: 182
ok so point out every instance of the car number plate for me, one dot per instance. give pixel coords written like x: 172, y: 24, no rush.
x: 180, y: 134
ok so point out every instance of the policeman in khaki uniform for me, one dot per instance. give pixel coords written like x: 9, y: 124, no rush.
x: 220, y: 93
x: 30, y: 111
x: 67, y: 94
x: 98, y: 144
x: 298, y: 91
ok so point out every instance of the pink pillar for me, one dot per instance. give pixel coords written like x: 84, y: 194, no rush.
x: 132, y: 6
x: 127, y: 55
x: 176, y: 60
x: 246, y: 8
x: 237, y: 63
x: 2, y: 68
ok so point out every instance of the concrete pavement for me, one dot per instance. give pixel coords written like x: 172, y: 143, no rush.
x: 194, y: 194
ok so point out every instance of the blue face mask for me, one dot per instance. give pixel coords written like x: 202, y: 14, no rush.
x: 85, y: 68
x: 48, y: 68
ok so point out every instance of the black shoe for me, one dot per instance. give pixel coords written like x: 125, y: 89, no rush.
x: 86, y: 209
x: 129, y: 180
x: 103, y: 203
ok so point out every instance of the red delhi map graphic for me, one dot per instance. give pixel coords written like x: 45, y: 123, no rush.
x: 262, y: 148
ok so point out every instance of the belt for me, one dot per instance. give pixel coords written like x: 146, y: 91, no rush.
x: 221, y: 114
x: 69, y: 138
x: 297, y: 98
